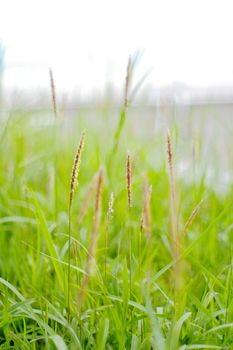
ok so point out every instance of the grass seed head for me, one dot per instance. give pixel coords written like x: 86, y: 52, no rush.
x: 192, y: 217
x: 128, y: 175
x: 170, y: 166
x: 110, y: 206
x: 127, y: 83
x: 53, y: 92
x: 75, y: 168
x: 169, y: 149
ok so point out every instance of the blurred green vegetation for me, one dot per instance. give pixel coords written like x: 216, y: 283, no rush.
x: 127, y: 306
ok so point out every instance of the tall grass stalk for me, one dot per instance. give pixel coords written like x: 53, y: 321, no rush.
x: 124, y: 108
x: 55, y: 167
x: 127, y: 83
x: 109, y: 216
x: 73, y: 185
x: 129, y: 205
x: 145, y: 224
x: 128, y: 177
x: 92, y: 246
x: 173, y: 203
x: 175, y: 244
x: 53, y: 92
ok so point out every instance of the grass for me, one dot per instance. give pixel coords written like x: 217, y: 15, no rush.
x: 145, y: 270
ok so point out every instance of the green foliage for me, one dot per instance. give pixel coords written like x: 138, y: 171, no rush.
x: 132, y: 304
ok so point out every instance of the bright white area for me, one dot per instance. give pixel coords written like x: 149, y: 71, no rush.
x: 87, y: 42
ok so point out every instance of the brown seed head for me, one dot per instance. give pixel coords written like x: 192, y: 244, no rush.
x: 53, y: 92
x: 75, y: 168
x: 170, y: 165
x: 192, y: 217
x: 169, y: 148
x: 128, y: 166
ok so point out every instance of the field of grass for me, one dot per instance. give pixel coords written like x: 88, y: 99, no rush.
x: 138, y: 258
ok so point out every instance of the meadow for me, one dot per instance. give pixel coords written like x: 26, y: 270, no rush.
x: 104, y: 242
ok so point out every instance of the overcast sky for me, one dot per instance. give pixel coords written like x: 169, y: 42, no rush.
x: 87, y: 42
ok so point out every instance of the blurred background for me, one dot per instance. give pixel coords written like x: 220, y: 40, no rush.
x: 185, y: 44
x: 184, y: 50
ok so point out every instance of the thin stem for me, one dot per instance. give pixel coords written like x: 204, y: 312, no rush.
x: 55, y: 165
x: 110, y: 211
x: 105, y: 255
x: 130, y: 256
x: 69, y: 262
x: 140, y: 252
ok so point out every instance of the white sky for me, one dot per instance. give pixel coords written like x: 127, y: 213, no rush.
x: 87, y: 42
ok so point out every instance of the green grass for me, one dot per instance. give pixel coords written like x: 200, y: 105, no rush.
x: 130, y: 301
